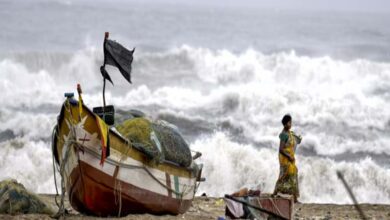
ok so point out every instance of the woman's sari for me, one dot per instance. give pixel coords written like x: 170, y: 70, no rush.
x: 288, y: 176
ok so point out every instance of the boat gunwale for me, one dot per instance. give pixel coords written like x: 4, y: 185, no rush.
x: 60, y: 119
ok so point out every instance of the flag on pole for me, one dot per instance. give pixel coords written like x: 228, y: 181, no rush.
x: 118, y: 56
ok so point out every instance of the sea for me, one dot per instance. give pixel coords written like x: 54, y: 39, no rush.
x: 223, y: 74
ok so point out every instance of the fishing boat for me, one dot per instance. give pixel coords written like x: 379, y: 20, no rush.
x: 105, y: 174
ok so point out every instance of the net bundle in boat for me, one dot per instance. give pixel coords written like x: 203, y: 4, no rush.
x: 157, y: 139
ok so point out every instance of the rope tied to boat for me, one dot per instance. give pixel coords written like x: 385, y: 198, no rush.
x: 71, y: 142
x: 118, y: 184
x: 129, y: 166
x: 61, y: 206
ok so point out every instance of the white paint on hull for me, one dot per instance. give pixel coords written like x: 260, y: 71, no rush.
x: 137, y: 176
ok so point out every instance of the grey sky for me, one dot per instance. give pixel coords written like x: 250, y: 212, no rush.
x: 340, y: 5
x: 326, y: 5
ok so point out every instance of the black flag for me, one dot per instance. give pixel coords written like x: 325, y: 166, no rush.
x: 118, y: 56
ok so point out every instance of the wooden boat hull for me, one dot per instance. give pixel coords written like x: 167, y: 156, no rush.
x: 128, y: 182
x: 94, y: 194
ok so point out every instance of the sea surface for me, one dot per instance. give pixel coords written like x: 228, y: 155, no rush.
x: 225, y: 75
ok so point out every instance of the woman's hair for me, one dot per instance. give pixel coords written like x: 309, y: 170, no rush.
x: 286, y: 119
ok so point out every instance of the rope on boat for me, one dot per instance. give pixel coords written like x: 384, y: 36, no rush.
x: 61, y: 207
x: 119, y: 192
x: 53, y: 135
x: 121, y: 165
x: 118, y: 183
x: 72, y: 142
x: 69, y: 143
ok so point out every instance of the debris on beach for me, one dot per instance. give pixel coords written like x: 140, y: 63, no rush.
x: 16, y: 199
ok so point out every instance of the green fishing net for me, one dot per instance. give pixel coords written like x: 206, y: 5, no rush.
x: 15, y: 199
x: 157, y: 139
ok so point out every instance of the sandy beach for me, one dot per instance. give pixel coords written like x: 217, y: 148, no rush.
x: 212, y: 208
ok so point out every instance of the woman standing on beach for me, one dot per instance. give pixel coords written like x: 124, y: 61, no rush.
x: 288, y: 176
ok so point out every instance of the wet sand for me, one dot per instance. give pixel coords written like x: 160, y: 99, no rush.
x: 212, y: 208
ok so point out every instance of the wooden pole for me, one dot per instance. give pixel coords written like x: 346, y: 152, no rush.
x: 104, y: 96
x: 106, y: 35
x: 355, y: 203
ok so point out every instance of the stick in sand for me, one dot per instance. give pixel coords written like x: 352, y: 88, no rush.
x: 355, y: 203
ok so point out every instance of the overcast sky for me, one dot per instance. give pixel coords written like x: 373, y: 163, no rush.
x: 332, y: 5
x: 342, y: 5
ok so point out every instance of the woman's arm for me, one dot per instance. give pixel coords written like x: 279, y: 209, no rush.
x: 282, y: 150
x: 298, y: 138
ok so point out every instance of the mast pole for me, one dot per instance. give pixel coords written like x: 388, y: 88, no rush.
x: 106, y: 35
x: 104, y: 97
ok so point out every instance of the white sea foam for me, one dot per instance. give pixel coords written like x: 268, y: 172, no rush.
x: 23, y: 87
x: 31, y: 125
x: 229, y: 166
x: 30, y: 162
x: 340, y: 107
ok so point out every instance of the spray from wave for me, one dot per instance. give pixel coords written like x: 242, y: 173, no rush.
x: 228, y: 105
x: 230, y: 166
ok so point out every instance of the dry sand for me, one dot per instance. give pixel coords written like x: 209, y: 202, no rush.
x: 212, y: 208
